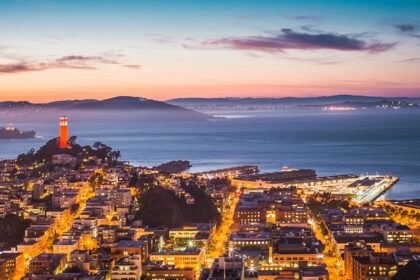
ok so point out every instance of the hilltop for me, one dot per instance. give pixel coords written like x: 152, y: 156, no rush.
x: 116, y: 107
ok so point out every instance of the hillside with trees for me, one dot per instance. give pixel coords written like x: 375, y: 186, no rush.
x: 46, y: 152
x: 162, y: 207
x: 12, y: 230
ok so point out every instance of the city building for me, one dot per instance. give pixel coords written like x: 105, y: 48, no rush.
x: 189, y: 258
x: 47, y: 263
x: 374, y: 266
x: 64, y: 159
x: 226, y: 268
x: 127, y: 268
x: 12, y: 265
x: 131, y: 247
x: 292, y: 251
x: 157, y: 271
x: 398, y: 234
x: 351, y: 250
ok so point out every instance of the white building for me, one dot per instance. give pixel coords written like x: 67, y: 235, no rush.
x: 127, y: 268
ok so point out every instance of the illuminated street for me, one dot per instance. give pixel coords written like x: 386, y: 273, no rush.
x: 333, y: 262
x: 220, y: 237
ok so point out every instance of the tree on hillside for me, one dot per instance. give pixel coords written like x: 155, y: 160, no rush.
x: 160, y: 207
x: 46, y: 152
x: 12, y: 229
x: 72, y: 141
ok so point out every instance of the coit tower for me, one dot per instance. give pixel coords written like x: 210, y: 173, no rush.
x: 63, y: 132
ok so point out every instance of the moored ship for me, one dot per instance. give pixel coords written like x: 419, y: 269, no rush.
x: 11, y: 132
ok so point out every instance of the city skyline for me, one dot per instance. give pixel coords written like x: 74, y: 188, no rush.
x: 209, y: 140
x: 160, y: 50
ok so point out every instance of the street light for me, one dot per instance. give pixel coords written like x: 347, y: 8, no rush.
x: 251, y: 269
x: 230, y: 252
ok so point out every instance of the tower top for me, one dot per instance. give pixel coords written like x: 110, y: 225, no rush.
x: 63, y: 121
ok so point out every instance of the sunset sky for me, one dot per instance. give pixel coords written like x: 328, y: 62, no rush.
x: 54, y: 50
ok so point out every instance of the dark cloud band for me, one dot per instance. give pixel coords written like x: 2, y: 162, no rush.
x: 289, y: 39
x: 65, y: 62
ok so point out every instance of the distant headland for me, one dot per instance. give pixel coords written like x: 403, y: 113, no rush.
x: 126, y: 107
x: 342, y: 101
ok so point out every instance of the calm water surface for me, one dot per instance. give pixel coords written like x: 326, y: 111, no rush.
x: 385, y: 142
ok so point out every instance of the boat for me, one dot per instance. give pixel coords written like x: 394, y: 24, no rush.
x: 11, y: 132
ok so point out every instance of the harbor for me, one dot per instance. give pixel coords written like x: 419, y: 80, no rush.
x: 361, y: 188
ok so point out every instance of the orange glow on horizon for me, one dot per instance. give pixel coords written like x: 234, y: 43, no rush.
x: 216, y: 91
x: 221, y: 74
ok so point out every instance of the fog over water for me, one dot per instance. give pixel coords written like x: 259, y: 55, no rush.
x: 385, y: 142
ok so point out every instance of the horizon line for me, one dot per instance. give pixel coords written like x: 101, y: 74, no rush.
x: 224, y: 97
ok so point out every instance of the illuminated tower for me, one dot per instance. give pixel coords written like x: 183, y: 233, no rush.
x: 63, y: 132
